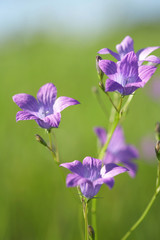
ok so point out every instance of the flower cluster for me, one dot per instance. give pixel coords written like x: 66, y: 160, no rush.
x: 125, y: 76
x: 128, y: 74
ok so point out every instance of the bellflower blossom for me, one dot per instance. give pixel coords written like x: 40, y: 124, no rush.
x: 90, y: 175
x: 46, y: 109
x: 126, y: 76
x: 118, y: 151
x: 126, y: 46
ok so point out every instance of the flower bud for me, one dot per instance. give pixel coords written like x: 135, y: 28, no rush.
x: 40, y: 140
x: 157, y: 150
x: 99, y: 71
x: 157, y: 130
x: 91, y: 232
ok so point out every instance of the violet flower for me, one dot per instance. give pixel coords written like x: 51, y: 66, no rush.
x: 126, y: 46
x: 90, y: 175
x: 118, y: 151
x: 46, y: 109
x: 126, y: 76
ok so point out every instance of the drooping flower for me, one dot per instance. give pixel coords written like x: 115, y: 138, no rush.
x: 118, y: 151
x: 126, y: 46
x: 90, y: 175
x: 126, y: 76
x: 46, y: 110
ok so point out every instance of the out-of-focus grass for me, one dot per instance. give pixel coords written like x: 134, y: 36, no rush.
x: 34, y: 202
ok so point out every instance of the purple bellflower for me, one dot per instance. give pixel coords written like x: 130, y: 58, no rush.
x: 46, y: 110
x: 126, y: 76
x: 118, y: 151
x: 90, y: 175
x: 126, y: 46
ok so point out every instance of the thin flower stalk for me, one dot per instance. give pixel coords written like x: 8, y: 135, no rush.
x: 113, y: 127
x: 85, y: 214
x: 115, y: 115
x: 54, y: 154
x: 144, y: 214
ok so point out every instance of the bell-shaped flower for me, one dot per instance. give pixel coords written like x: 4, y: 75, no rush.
x: 126, y: 46
x: 126, y: 76
x: 90, y: 175
x: 46, y: 110
x: 118, y: 151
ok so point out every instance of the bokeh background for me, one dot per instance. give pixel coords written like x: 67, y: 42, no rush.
x: 57, y: 41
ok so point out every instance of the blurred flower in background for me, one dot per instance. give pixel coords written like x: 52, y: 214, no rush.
x: 147, y: 148
x: 154, y: 90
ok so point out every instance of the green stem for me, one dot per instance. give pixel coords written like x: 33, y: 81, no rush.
x: 85, y: 213
x: 114, y: 124
x: 148, y: 206
x: 111, y: 101
x: 113, y: 127
x: 126, y: 105
x: 143, y: 215
x: 51, y: 148
x: 93, y: 214
x: 158, y: 175
x: 101, y: 85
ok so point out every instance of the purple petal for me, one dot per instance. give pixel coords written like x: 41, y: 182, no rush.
x: 145, y: 73
x: 74, y: 180
x: 129, y: 68
x: 125, y: 46
x: 23, y: 115
x: 26, y: 102
x: 108, y: 51
x: 75, y: 167
x: 153, y: 59
x: 63, y: 102
x: 117, y: 141
x: 143, y: 53
x: 110, y: 157
x: 127, y: 90
x: 88, y: 190
x: 101, y: 134
x: 92, y: 167
x: 112, y: 86
x: 128, y: 152
x: 132, y: 167
x: 110, y: 170
x: 47, y: 94
x: 108, y: 67
x: 51, y: 121
x: 109, y: 182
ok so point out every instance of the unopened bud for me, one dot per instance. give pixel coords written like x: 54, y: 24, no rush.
x: 40, y: 140
x: 99, y: 71
x: 157, y: 150
x: 91, y: 232
x: 157, y: 130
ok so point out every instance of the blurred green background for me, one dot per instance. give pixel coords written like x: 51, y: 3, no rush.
x: 34, y: 201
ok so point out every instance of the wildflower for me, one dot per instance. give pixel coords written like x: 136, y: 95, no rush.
x: 118, y: 151
x: 126, y: 76
x: 90, y: 175
x: 126, y: 46
x: 46, y: 109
